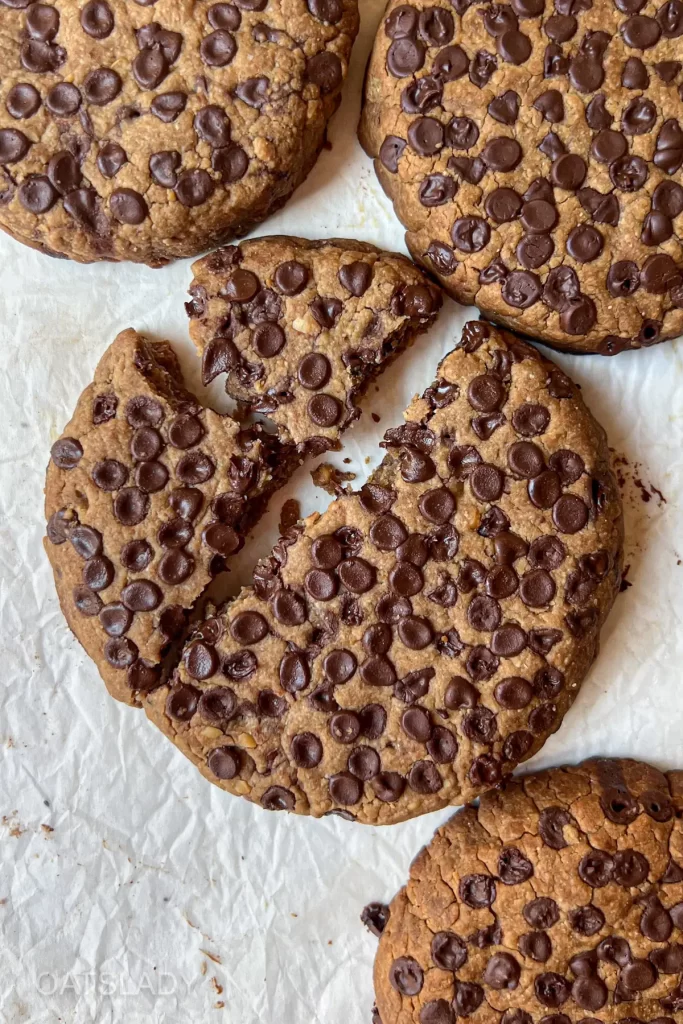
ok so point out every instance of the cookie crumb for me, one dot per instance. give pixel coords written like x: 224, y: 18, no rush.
x: 290, y: 514
x: 330, y: 479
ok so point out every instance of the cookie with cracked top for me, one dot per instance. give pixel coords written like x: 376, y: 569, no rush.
x: 147, y: 495
x: 558, y: 899
x: 300, y: 328
x: 407, y: 648
x: 534, y: 152
x: 148, y: 130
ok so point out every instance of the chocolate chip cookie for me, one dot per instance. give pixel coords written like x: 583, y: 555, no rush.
x: 407, y: 648
x: 533, y: 150
x: 301, y: 328
x: 147, y: 130
x: 558, y: 899
x: 147, y: 494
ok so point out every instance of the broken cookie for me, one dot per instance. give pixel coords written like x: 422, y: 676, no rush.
x: 407, y: 648
x: 300, y: 328
x: 147, y: 494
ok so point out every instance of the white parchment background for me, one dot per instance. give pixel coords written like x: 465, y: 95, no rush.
x: 153, y: 896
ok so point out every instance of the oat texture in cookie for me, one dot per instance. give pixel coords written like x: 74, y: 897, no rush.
x: 300, y: 328
x: 534, y: 152
x: 408, y: 647
x: 147, y: 130
x: 559, y: 899
x: 147, y: 495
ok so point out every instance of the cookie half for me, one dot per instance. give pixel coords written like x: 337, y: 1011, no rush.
x: 533, y: 151
x: 147, y: 494
x: 149, y: 131
x: 408, y: 647
x: 301, y: 328
x: 558, y: 899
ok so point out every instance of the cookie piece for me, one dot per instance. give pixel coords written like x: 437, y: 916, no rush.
x: 148, y: 131
x: 147, y: 494
x: 558, y: 899
x: 302, y: 327
x: 533, y: 150
x: 407, y: 648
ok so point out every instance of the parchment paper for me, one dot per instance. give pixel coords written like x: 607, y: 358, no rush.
x: 131, y: 890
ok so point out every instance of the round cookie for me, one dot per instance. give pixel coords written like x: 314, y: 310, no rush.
x: 149, y: 130
x: 533, y: 151
x: 147, y: 495
x: 408, y: 647
x: 300, y: 328
x: 558, y: 899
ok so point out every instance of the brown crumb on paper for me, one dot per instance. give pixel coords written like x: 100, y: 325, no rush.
x: 631, y: 479
x: 331, y: 479
x: 218, y: 988
x: 11, y: 823
x: 212, y: 956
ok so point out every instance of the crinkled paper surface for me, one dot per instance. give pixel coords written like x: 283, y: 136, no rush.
x: 131, y: 890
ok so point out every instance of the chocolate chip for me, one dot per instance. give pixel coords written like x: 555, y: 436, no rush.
x: 513, y: 693
x: 194, y: 468
x: 551, y: 824
x: 325, y: 70
x: 470, y: 234
x: 586, y: 920
x: 502, y: 972
x: 551, y: 989
x: 278, y: 798
x: 101, y: 86
x: 477, y: 891
x: 487, y: 482
x: 502, y: 154
x: 63, y: 99
x: 306, y: 750
x: 194, y: 187
x: 225, y: 762
x: 508, y: 640
x: 482, y: 67
x: 22, y: 101
x: 424, y: 777
x: 505, y: 108
x: 97, y: 19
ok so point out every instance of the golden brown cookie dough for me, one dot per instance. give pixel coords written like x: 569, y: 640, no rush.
x: 301, y: 328
x: 147, y: 494
x: 533, y: 151
x: 147, y: 130
x: 558, y: 899
x: 407, y: 648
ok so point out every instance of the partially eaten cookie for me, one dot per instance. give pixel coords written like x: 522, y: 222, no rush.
x: 147, y: 494
x: 300, y: 328
x: 408, y: 647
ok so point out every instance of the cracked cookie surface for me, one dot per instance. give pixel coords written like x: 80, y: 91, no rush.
x: 149, y: 131
x: 147, y: 494
x: 408, y: 647
x: 301, y: 327
x: 558, y: 899
x: 533, y: 151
